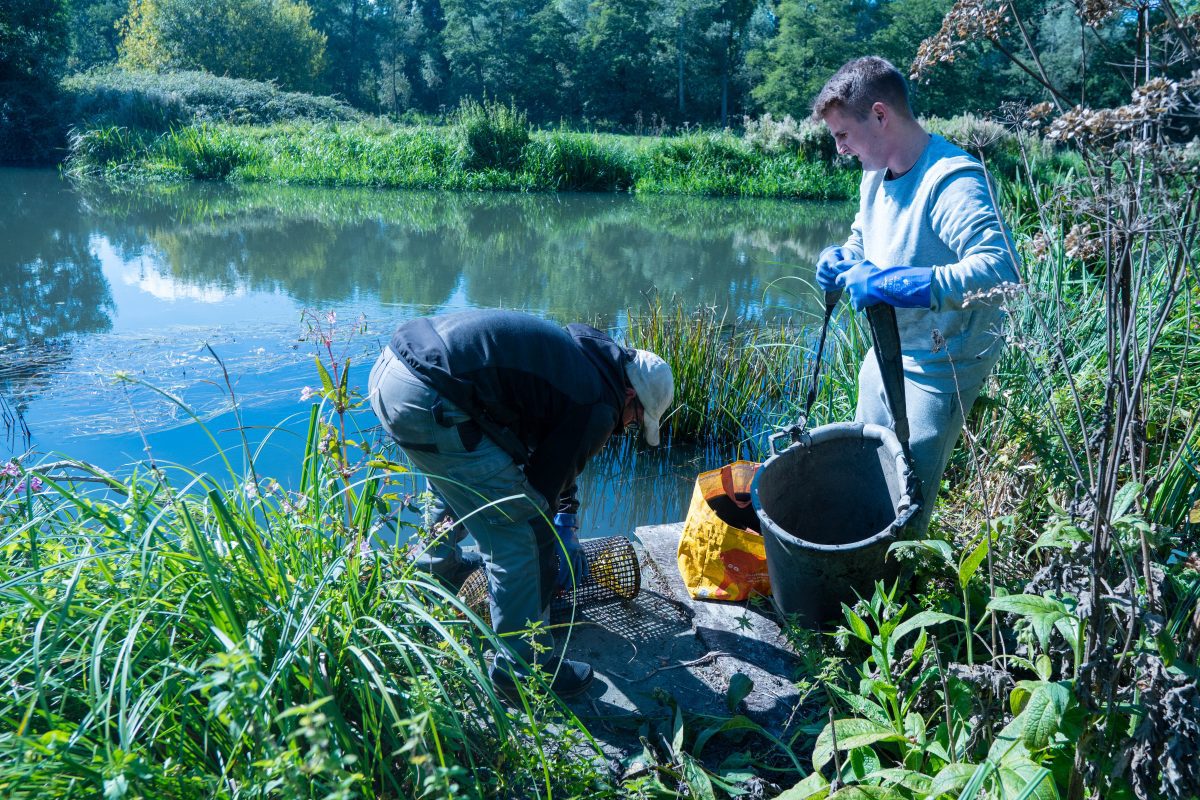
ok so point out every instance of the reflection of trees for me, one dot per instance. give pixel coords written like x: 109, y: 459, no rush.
x: 51, y: 284
x: 586, y: 256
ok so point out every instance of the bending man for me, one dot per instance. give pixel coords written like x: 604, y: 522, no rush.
x: 502, y: 411
x: 927, y: 240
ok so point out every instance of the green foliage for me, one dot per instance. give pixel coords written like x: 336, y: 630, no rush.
x: 729, y: 376
x: 184, y: 642
x: 158, y: 101
x: 33, y: 38
x: 265, y: 40
x: 493, y: 135
x: 485, y: 150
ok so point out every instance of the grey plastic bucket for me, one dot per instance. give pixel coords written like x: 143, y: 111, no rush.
x: 829, y: 507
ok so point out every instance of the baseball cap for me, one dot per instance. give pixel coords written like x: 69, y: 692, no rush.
x: 651, y: 379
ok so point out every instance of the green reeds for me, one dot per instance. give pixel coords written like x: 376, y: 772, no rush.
x: 735, y: 380
x: 475, y: 154
x: 161, y: 636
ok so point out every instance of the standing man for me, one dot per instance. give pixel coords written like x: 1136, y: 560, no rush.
x: 928, y: 240
x: 501, y: 411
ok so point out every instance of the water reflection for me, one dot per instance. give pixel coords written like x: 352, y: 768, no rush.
x: 98, y: 280
x: 583, y: 255
x: 51, y: 284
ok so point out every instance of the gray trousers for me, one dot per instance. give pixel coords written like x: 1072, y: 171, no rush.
x: 935, y: 420
x: 487, y: 492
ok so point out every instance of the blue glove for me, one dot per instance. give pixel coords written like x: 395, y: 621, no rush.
x: 901, y: 287
x: 572, y: 563
x: 832, y: 262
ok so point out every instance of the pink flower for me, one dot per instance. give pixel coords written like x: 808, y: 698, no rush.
x: 10, y: 469
x: 331, y: 317
x: 35, y: 484
x: 307, y: 393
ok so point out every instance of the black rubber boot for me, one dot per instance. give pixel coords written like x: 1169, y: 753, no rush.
x: 570, y: 679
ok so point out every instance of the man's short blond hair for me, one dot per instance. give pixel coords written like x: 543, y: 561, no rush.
x: 861, y: 83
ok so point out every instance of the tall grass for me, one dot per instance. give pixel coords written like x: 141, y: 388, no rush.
x: 488, y: 146
x: 735, y: 381
x: 164, y: 637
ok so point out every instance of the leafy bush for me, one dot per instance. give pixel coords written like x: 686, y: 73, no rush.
x: 492, y: 134
x: 805, y: 138
x: 158, y: 101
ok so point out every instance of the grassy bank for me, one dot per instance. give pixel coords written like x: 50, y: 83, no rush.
x: 385, y: 156
x: 192, y: 126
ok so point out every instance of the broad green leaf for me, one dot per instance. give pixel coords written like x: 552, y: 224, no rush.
x: 863, y: 706
x: 857, y: 626
x: 326, y: 380
x: 1028, y: 781
x: 814, y: 787
x: 921, y: 620
x: 1008, y: 748
x: 740, y: 686
x: 863, y: 792
x: 951, y: 779
x: 697, y: 779
x: 1062, y: 534
x: 1043, y: 714
x: 1125, y: 498
x: 932, y: 546
x: 677, y: 738
x: 1018, y: 698
x: 1042, y: 612
x: 1044, y: 667
x: 851, y: 733
x: 912, y: 780
x: 914, y: 727
x: 970, y: 564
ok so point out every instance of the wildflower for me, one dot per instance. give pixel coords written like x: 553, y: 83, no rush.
x: 251, y: 489
x: 331, y: 317
x: 11, y: 470
x: 307, y: 393
x: 35, y: 485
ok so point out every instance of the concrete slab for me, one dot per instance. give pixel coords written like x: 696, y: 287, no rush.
x: 664, y: 644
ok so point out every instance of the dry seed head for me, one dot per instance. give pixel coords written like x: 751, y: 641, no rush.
x: 1094, y: 12
x: 966, y: 22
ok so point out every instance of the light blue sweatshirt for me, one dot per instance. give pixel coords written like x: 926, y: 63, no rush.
x: 940, y: 214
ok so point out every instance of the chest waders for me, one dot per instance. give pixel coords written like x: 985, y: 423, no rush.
x: 832, y: 502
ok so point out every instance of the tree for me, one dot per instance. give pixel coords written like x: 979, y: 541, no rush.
x: 257, y: 39
x: 815, y: 38
x: 352, y: 29
x: 33, y: 46
x: 94, y: 32
x: 509, y: 49
x: 621, y: 55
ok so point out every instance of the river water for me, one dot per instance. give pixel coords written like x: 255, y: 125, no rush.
x: 122, y: 309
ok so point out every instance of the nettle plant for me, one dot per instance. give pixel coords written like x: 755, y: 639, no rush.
x: 1107, y: 336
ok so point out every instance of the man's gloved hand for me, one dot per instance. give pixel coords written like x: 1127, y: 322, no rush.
x: 572, y: 563
x: 901, y: 287
x: 832, y: 262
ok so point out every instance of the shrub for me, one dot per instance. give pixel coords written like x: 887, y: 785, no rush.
x: 492, y: 135
x: 158, y: 101
x: 806, y: 138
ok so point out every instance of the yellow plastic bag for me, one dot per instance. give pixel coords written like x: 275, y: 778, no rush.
x: 721, y: 552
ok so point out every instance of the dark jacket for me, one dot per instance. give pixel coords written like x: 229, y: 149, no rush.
x: 550, y: 396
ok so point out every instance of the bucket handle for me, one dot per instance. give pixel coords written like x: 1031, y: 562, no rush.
x: 797, y: 432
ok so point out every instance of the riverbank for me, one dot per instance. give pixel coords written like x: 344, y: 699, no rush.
x: 176, y: 127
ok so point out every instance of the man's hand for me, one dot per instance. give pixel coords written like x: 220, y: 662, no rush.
x: 901, y: 287
x: 832, y: 262
x: 572, y: 563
